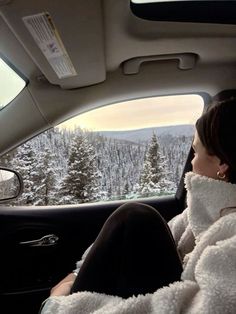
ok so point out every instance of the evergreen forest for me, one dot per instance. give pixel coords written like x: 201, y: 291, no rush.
x: 71, y: 167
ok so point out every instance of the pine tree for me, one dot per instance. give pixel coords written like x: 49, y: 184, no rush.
x: 81, y: 182
x: 153, y: 179
x: 25, y: 163
x: 36, y: 163
x: 5, y: 160
x: 44, y: 163
x: 126, y: 190
x: 45, y: 178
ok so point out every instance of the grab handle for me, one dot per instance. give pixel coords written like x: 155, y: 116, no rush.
x: 186, y: 61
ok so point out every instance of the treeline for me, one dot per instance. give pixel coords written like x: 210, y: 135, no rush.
x: 71, y: 167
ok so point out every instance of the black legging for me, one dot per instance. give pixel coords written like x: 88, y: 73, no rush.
x: 133, y: 254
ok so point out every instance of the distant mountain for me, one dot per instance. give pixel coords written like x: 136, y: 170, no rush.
x: 145, y: 134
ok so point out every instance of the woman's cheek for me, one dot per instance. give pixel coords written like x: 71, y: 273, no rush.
x: 195, y: 164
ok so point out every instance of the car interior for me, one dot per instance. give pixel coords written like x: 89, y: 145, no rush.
x: 76, y: 56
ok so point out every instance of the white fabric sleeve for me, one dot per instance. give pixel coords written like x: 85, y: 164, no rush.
x: 178, y: 224
x: 80, y: 262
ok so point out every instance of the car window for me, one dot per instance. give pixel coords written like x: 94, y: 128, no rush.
x: 11, y: 84
x: 128, y: 150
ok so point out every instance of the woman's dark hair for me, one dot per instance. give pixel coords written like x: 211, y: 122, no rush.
x: 217, y: 130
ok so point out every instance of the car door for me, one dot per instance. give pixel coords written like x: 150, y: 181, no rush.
x: 29, y: 268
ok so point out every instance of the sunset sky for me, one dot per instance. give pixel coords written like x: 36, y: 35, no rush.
x: 141, y: 113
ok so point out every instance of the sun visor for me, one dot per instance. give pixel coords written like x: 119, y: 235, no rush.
x: 53, y: 35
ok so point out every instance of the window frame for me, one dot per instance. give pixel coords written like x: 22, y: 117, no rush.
x: 185, y: 165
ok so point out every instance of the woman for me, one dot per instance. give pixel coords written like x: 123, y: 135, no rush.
x: 195, y: 273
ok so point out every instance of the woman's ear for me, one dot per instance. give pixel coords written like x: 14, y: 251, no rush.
x: 223, y: 168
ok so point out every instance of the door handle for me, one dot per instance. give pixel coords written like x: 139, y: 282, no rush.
x: 47, y: 240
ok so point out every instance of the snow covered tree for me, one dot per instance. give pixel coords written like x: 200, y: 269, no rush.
x: 45, y: 178
x: 153, y: 179
x: 25, y: 163
x: 126, y: 190
x: 81, y: 183
x: 36, y: 162
x: 45, y: 161
x: 5, y: 160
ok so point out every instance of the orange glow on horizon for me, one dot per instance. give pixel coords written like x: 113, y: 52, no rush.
x: 140, y: 113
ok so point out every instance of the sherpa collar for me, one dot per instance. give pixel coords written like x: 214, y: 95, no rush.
x: 206, y: 198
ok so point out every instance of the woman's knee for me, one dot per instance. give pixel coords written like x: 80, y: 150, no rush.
x: 134, y: 211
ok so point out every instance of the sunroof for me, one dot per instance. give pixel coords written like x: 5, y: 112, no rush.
x: 11, y: 84
x: 201, y: 11
x: 152, y: 1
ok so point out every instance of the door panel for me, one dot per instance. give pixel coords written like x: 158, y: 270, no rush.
x: 28, y: 272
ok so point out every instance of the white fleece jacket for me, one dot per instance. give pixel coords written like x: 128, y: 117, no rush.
x: 207, y: 244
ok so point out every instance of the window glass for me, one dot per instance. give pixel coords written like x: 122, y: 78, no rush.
x: 128, y: 150
x: 11, y: 84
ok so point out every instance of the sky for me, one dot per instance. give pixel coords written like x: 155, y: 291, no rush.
x: 141, y: 113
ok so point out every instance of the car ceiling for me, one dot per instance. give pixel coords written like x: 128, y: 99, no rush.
x: 117, y: 56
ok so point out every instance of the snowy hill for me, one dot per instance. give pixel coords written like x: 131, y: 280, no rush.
x: 115, y: 160
x: 145, y: 134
